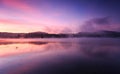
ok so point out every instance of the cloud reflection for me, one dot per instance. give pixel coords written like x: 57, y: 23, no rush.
x: 54, y: 57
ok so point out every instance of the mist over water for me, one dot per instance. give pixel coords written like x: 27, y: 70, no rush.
x: 60, y: 56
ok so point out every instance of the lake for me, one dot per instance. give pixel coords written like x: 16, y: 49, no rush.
x: 60, y: 56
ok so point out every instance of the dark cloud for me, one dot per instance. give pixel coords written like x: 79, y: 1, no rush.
x: 101, y: 21
x: 97, y: 24
x: 66, y: 30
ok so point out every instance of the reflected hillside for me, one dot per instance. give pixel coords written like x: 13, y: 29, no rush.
x: 99, y: 48
x: 36, y: 43
x: 20, y: 48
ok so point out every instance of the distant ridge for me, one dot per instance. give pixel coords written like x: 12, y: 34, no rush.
x: 39, y: 34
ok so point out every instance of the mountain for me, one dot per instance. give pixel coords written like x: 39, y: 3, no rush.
x: 99, y: 34
x: 35, y: 34
x: 112, y: 34
x: 10, y: 35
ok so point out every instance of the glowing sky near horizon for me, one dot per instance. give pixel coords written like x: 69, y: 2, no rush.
x: 58, y: 16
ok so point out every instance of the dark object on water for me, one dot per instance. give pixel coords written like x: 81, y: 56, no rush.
x: 16, y: 47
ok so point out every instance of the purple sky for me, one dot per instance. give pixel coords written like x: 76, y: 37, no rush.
x: 59, y: 16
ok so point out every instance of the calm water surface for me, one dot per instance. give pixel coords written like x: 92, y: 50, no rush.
x: 60, y: 56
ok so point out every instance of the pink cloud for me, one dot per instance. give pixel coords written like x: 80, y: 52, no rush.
x: 30, y: 17
x: 8, y: 21
x: 17, y: 18
x: 22, y: 6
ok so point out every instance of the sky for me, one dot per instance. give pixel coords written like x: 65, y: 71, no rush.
x: 59, y: 16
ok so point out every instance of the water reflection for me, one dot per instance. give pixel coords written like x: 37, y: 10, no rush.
x: 8, y: 43
x: 15, y: 48
x: 101, y: 51
x: 62, y: 57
